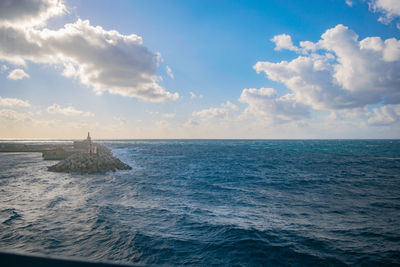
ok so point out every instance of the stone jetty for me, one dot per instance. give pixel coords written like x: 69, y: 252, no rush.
x: 86, y: 163
x: 88, y: 158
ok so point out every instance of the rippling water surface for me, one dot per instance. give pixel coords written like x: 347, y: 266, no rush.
x: 245, y: 203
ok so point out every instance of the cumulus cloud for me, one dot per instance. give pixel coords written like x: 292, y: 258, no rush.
x: 339, y: 75
x: 169, y: 72
x: 343, y: 73
x: 104, y: 60
x: 67, y: 111
x: 18, y: 74
x: 284, y: 41
x: 265, y: 104
x: 390, y: 9
x: 13, y: 102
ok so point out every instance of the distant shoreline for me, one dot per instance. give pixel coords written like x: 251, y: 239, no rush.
x: 10, y: 147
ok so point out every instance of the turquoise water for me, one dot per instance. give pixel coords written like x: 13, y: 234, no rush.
x: 196, y: 202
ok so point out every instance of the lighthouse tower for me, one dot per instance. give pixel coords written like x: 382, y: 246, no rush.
x: 91, y: 148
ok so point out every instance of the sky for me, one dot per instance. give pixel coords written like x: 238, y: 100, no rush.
x: 143, y: 69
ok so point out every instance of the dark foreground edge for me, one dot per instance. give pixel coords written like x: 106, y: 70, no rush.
x: 16, y: 259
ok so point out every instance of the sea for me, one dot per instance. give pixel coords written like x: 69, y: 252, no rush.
x: 211, y: 203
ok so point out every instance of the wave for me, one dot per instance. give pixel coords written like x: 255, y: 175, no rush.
x: 8, y: 216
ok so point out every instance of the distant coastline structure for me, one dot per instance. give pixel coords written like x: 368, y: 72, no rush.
x: 84, y: 157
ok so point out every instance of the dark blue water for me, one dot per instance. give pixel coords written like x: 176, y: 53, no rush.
x: 249, y: 203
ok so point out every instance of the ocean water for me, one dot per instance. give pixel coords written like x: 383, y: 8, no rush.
x: 221, y: 203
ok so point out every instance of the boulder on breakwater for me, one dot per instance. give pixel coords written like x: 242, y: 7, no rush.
x: 89, y: 163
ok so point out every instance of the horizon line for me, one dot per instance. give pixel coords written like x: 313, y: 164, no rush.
x: 189, y: 139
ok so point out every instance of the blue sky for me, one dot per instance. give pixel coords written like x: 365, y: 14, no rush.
x: 60, y: 81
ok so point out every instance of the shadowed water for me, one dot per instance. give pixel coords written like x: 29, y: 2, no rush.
x: 246, y: 203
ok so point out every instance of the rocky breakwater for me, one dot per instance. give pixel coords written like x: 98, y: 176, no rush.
x: 89, y: 163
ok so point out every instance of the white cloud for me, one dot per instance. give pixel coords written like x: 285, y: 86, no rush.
x: 212, y: 113
x: 70, y: 71
x: 265, y: 104
x: 104, y: 60
x: 13, y: 102
x: 168, y: 115
x: 230, y: 105
x: 354, y: 114
x: 17, y: 74
x: 192, y: 122
x: 349, y: 3
x: 169, y: 72
x: 165, y: 115
x: 11, y: 115
x: 344, y: 72
x: 389, y: 8
x: 391, y: 51
x: 193, y: 95
x: 385, y: 115
x: 22, y: 13
x: 308, y: 46
x: 284, y: 41
x: 339, y: 75
x: 67, y: 111
x: 3, y: 68
x: 224, y: 112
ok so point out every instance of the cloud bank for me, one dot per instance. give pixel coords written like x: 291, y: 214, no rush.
x: 339, y: 73
x: 103, y: 60
x: 338, y: 79
x: 345, y: 73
